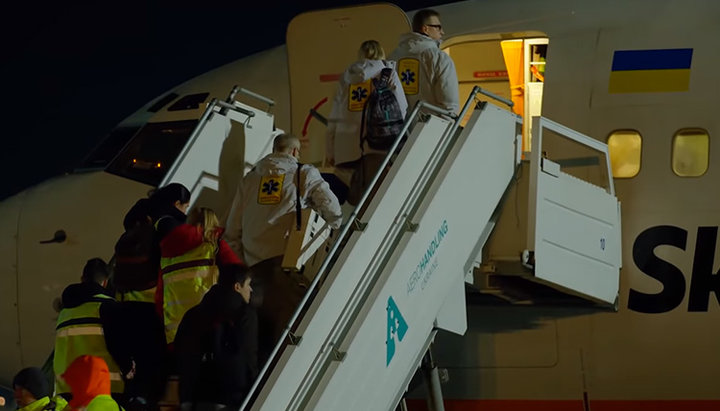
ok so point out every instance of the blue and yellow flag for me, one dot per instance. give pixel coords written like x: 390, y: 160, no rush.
x: 650, y: 71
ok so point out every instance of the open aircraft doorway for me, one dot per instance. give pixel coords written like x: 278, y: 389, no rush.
x: 509, y: 65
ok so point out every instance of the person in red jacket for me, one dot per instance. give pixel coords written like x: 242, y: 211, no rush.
x: 190, y: 254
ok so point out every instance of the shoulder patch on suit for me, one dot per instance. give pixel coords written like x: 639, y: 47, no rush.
x: 409, y: 72
x: 270, y: 189
x: 358, y: 95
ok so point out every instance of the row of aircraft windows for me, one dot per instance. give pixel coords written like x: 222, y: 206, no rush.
x: 690, y: 152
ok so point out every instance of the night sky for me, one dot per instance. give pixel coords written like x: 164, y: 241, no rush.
x: 72, y: 70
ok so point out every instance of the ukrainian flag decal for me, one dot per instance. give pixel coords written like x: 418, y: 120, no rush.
x: 650, y: 71
x: 270, y: 190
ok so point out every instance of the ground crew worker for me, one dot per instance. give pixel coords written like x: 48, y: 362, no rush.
x: 426, y: 72
x: 89, y: 379
x: 260, y: 220
x: 32, y: 392
x: 81, y: 329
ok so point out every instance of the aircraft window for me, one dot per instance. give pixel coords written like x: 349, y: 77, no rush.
x: 162, y: 102
x: 690, y: 152
x: 578, y: 160
x: 189, y: 102
x: 103, y: 153
x: 152, y: 151
x: 625, y: 148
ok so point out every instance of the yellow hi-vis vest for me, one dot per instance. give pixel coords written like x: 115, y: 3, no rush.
x: 80, y: 332
x: 103, y: 403
x: 186, y: 279
x: 143, y: 296
x: 43, y: 404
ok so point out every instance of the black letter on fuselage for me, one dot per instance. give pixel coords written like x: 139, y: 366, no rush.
x: 703, y: 279
x: 670, y: 276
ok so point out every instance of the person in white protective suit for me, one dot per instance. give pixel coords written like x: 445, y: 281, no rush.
x: 342, y: 140
x: 261, y: 217
x: 343, y: 143
x: 426, y: 72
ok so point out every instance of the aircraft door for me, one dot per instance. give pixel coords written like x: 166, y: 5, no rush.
x: 320, y: 46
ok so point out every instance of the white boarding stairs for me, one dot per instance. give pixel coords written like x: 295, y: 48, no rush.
x: 400, y: 275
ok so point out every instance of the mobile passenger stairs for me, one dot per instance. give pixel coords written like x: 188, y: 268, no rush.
x: 457, y: 205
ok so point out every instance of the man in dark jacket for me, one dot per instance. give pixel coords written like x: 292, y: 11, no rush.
x: 216, y: 343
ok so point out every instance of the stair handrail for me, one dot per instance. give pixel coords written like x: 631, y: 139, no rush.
x: 266, y: 100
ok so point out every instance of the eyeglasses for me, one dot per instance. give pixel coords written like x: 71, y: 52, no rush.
x: 437, y: 26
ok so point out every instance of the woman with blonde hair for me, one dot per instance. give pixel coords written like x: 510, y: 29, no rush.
x: 343, y: 145
x: 190, y: 254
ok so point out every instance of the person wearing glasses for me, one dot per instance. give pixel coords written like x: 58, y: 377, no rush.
x: 426, y: 72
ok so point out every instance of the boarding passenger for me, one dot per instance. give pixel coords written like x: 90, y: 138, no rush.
x: 136, y: 274
x: 167, y: 209
x: 345, y: 147
x: 89, y: 380
x: 426, y: 72
x: 137, y: 251
x: 32, y: 392
x: 216, y: 344
x: 190, y: 253
x: 263, y: 213
x: 84, y: 327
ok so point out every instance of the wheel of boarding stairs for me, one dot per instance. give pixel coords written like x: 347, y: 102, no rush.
x: 171, y: 400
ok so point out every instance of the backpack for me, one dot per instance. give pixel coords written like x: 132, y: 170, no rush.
x: 382, y: 119
x: 222, y: 376
x: 137, y: 258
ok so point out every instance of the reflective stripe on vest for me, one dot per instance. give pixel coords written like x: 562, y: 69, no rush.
x: 144, y: 296
x: 186, y: 279
x: 80, y: 332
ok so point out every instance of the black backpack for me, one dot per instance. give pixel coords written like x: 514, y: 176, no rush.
x: 222, y: 375
x: 382, y: 118
x: 137, y: 258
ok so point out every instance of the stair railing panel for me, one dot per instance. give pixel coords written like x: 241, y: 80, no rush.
x: 426, y: 266
x: 575, y: 225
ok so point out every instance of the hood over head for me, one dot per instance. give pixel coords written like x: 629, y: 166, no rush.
x: 416, y: 42
x: 33, y: 380
x: 360, y: 71
x: 88, y: 376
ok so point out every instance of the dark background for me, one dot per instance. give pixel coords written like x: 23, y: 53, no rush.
x: 72, y: 70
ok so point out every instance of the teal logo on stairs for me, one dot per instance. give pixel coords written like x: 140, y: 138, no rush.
x: 396, y: 327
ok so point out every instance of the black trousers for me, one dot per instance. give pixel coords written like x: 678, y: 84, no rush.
x: 276, y: 295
